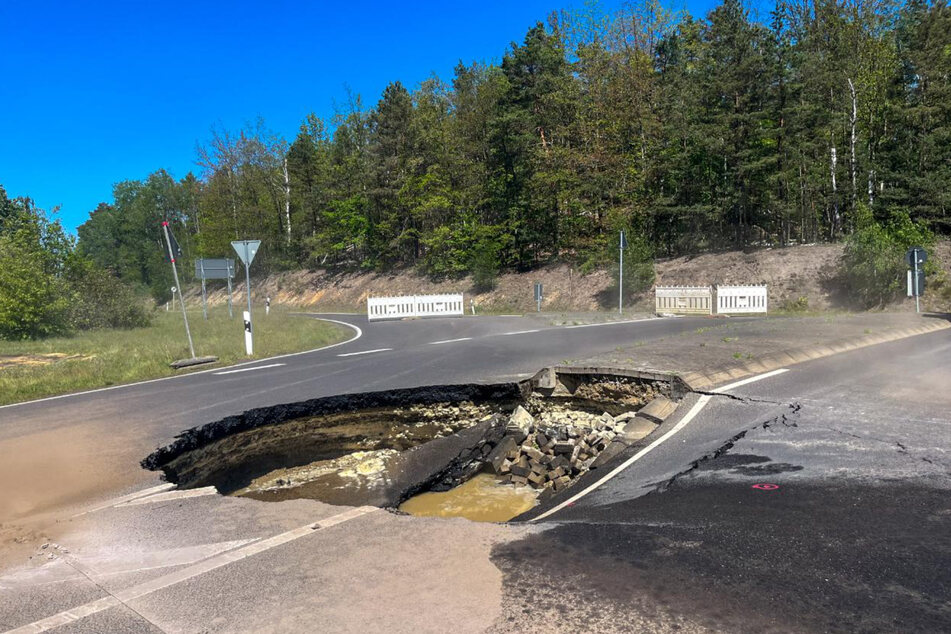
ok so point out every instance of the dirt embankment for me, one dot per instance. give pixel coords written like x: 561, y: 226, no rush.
x: 808, y: 272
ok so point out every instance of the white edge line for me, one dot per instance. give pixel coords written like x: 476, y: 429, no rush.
x: 696, y: 409
x: 435, y: 343
x: 168, y: 496
x: 518, y: 332
x: 180, y: 376
x: 178, y: 576
x: 752, y: 379
x: 128, y: 498
x: 353, y: 354
x: 610, y: 323
x: 258, y: 367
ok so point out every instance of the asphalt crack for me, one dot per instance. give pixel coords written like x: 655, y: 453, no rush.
x: 785, y: 419
x: 901, y: 447
x: 746, y: 400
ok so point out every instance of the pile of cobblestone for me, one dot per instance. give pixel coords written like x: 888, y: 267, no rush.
x: 559, y: 446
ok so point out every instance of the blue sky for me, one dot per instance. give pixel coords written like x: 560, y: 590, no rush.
x: 94, y: 92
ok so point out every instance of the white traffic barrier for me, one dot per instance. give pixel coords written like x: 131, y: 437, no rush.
x: 415, y: 306
x: 684, y: 300
x: 736, y: 300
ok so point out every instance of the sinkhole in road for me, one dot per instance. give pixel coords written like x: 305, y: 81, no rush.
x: 487, y: 452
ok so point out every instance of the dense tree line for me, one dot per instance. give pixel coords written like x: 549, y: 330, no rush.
x: 692, y: 134
x: 47, y: 287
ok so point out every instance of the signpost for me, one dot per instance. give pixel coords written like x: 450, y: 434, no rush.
x: 172, y: 252
x: 915, y: 257
x: 620, y: 292
x: 539, y: 289
x: 215, y: 269
x: 246, y: 250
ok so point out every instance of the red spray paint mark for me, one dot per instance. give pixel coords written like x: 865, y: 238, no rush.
x: 766, y: 487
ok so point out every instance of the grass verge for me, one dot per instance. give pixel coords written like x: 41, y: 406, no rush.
x: 102, y: 358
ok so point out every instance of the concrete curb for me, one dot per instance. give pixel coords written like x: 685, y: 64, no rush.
x: 716, y: 376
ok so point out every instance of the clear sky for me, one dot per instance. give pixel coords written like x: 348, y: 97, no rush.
x: 93, y: 92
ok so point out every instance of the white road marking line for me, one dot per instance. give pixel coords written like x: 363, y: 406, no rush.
x: 518, y: 332
x: 610, y: 323
x: 160, y: 583
x: 436, y: 343
x: 752, y: 379
x: 353, y: 354
x: 105, y: 565
x: 696, y: 409
x: 189, y: 374
x: 259, y: 367
x: 128, y: 498
x: 172, y: 495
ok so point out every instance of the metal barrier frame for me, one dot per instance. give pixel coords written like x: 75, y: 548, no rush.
x: 684, y: 300
x: 742, y: 300
x: 450, y: 305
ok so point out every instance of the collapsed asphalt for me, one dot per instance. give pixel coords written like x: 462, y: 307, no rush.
x: 855, y: 537
x: 816, y: 501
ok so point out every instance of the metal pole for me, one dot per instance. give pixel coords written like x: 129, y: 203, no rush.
x: 230, y: 310
x: 204, y: 297
x: 181, y: 298
x: 247, y: 285
x: 917, y: 301
x: 620, y: 290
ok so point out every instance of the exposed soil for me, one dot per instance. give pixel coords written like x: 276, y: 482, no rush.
x: 29, y: 360
x: 808, y: 272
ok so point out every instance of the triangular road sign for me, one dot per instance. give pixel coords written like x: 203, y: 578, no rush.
x: 246, y: 249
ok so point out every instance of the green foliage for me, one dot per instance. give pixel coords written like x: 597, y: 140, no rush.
x: 798, y: 305
x: 721, y: 131
x: 33, y: 297
x: 485, y: 266
x: 874, y: 263
x: 100, y: 300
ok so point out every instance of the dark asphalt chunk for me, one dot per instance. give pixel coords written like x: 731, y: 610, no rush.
x: 813, y: 557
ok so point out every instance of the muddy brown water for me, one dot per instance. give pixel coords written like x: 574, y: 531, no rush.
x: 483, y: 498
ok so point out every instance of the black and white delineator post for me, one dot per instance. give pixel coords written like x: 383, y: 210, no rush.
x: 915, y: 257
x: 246, y: 250
x: 172, y: 252
x: 539, y: 291
x: 248, y: 337
x: 620, y: 292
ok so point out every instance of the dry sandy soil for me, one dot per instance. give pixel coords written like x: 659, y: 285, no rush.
x: 808, y: 272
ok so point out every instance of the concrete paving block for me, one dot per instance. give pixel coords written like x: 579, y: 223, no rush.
x: 658, y: 409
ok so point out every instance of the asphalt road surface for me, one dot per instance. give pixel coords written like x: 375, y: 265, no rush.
x: 812, y: 500
x: 69, y: 450
x: 815, y: 500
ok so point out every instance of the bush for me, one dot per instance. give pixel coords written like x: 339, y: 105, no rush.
x: 100, y: 300
x: 873, y: 266
x: 33, y: 302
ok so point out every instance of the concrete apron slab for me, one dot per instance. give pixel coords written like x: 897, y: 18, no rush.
x: 190, y: 563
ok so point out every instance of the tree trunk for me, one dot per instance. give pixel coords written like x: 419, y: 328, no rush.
x: 834, y: 220
x: 287, y: 201
x: 852, y: 121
